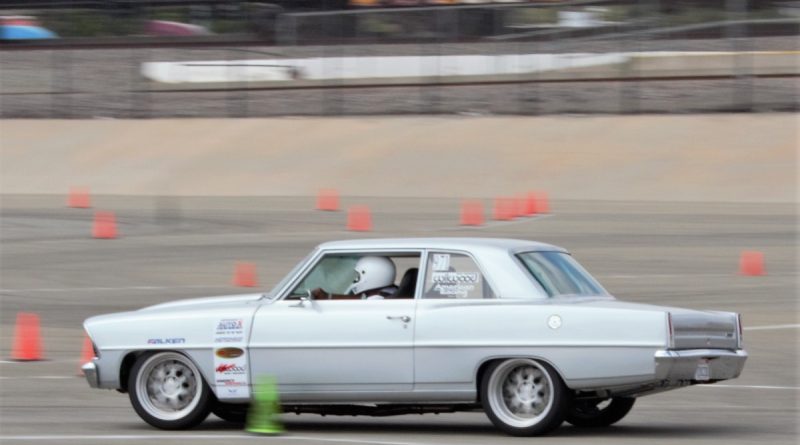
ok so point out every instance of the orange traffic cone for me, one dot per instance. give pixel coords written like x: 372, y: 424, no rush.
x: 105, y: 225
x: 244, y: 275
x: 504, y: 209
x: 328, y: 200
x: 530, y: 204
x: 27, y: 338
x: 79, y: 198
x: 751, y: 263
x: 471, y: 213
x: 87, y: 353
x: 359, y: 219
x: 539, y: 201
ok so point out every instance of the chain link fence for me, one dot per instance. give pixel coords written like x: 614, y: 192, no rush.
x: 578, y: 57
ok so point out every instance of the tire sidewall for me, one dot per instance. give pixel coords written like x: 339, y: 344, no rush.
x: 192, y: 418
x: 551, y: 420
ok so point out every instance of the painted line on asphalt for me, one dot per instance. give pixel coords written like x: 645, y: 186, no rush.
x: 39, y: 377
x: 771, y: 327
x: 95, y: 289
x: 105, y: 437
x: 715, y: 385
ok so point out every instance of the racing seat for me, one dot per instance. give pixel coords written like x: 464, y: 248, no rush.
x: 408, y: 284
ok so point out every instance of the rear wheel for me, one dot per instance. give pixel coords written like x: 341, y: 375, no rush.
x: 523, y: 397
x: 596, y: 413
x: 167, y: 391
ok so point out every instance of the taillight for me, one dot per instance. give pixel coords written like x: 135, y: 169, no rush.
x: 670, y: 330
x: 740, y: 340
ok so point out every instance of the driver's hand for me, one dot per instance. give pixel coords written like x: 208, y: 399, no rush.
x: 319, y: 294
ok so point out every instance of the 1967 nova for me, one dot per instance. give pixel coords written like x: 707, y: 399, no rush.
x: 516, y: 328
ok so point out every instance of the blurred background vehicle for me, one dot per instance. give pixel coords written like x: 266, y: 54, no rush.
x: 21, y: 27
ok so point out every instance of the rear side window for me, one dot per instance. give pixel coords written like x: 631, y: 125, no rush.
x: 451, y: 275
x: 559, y: 274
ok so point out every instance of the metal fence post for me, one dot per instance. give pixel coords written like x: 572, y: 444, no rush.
x: 742, y: 95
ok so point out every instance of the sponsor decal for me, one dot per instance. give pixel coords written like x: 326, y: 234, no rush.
x: 239, y: 339
x: 230, y: 368
x: 166, y: 341
x: 230, y: 324
x: 231, y: 376
x: 441, y: 262
x: 455, y: 284
x: 229, y: 352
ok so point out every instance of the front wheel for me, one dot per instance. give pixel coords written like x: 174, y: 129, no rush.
x: 167, y: 391
x: 596, y: 413
x: 524, y: 397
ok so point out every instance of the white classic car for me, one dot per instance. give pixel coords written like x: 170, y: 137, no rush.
x: 516, y: 328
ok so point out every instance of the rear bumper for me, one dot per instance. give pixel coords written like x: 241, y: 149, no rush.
x: 699, y: 365
x: 91, y: 374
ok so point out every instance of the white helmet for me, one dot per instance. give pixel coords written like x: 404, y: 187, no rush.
x: 372, y: 272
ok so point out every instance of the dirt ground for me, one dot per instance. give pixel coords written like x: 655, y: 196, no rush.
x: 722, y: 158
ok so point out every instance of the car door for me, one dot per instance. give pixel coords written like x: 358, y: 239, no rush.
x: 331, y: 349
x: 454, y: 324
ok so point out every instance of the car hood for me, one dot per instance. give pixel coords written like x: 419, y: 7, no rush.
x: 203, y: 303
x: 181, y: 306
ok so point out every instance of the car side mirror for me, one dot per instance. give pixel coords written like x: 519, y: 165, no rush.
x: 307, y: 298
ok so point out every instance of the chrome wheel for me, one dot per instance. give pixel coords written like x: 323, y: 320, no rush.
x: 523, y: 397
x: 168, y: 386
x: 521, y: 392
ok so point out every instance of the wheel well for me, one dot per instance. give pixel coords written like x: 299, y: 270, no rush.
x: 479, y: 375
x: 125, y: 369
x: 485, y: 366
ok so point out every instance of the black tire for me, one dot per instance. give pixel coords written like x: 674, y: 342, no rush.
x: 538, y: 389
x: 181, y: 380
x: 590, y: 413
x: 231, y: 412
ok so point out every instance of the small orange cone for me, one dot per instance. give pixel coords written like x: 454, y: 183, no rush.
x: 359, y: 219
x: 751, y: 263
x: 504, y: 209
x: 328, y: 200
x: 520, y: 206
x: 79, y: 198
x: 27, y: 338
x: 87, y: 353
x: 471, y: 213
x: 105, y: 225
x: 244, y: 275
x: 530, y: 205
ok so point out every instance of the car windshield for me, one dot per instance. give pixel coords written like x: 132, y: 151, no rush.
x: 559, y: 274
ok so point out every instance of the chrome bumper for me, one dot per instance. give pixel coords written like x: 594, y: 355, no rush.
x: 699, y: 365
x: 90, y: 372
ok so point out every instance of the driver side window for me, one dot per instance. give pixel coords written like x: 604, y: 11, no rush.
x: 334, y: 273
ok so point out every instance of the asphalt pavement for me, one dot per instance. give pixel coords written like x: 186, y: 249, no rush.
x: 671, y: 253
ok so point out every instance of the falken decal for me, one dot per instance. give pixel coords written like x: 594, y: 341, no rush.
x: 166, y: 341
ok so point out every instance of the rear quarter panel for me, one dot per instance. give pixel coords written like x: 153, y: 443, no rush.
x: 590, y: 347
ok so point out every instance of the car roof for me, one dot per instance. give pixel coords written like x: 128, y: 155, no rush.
x: 444, y: 243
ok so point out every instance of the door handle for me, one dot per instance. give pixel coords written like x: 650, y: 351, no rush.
x: 403, y: 318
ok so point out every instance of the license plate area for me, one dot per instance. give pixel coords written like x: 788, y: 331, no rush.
x: 703, y: 372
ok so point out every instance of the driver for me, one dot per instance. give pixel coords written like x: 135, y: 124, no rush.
x: 374, y: 280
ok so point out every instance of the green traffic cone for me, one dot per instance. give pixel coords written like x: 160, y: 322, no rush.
x: 262, y: 418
